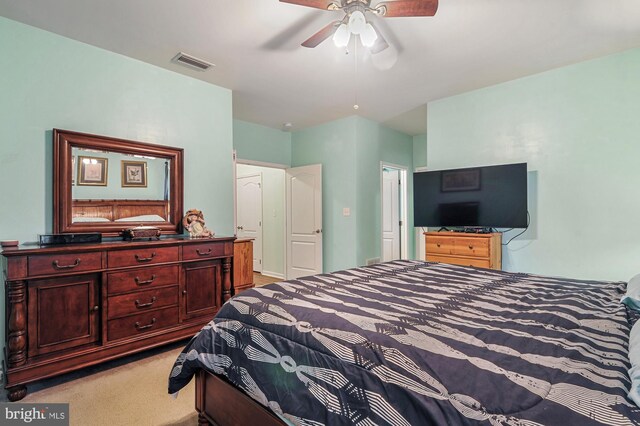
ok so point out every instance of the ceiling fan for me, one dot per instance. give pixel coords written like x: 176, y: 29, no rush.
x: 355, y: 22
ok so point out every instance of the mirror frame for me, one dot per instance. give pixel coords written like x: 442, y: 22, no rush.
x: 64, y: 141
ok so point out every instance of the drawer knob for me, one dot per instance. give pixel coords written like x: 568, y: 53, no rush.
x: 149, y: 281
x: 144, y: 327
x: 470, y: 247
x: 438, y: 244
x: 184, y: 292
x: 57, y: 265
x: 205, y: 253
x: 145, y: 305
x: 95, y: 308
x: 145, y: 259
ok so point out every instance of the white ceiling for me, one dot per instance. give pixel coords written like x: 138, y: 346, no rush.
x: 256, y: 46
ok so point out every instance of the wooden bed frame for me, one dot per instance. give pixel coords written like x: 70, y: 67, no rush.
x: 118, y: 209
x: 221, y: 404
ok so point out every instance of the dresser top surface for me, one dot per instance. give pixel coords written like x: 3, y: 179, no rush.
x: 461, y: 234
x: 109, y: 244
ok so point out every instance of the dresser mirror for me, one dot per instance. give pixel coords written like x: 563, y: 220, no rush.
x: 105, y: 185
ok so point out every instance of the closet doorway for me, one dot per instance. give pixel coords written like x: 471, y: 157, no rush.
x: 260, y: 214
x: 249, y: 213
x: 393, y: 190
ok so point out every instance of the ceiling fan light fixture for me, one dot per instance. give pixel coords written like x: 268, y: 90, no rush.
x: 357, y: 22
x: 341, y: 36
x: 369, y: 36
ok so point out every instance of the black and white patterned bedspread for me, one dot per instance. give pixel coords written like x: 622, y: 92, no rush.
x: 412, y: 343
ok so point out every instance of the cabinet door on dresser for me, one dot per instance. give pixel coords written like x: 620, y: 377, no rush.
x: 202, y: 289
x: 63, y: 313
x: 242, y: 265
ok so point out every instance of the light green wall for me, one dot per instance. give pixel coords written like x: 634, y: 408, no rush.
x: 376, y: 143
x: 273, y: 244
x: 420, y: 150
x: 260, y: 143
x: 350, y: 151
x: 334, y: 146
x: 577, y: 128
x: 48, y: 81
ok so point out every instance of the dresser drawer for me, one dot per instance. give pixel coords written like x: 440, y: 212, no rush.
x: 477, y: 247
x: 463, y: 261
x: 142, y: 279
x: 141, y: 301
x: 136, y: 325
x: 62, y: 263
x: 442, y: 245
x: 206, y: 250
x: 142, y: 256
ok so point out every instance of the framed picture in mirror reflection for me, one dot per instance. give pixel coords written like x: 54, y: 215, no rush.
x: 92, y: 171
x: 134, y: 174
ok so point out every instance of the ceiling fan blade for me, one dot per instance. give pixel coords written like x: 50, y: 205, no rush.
x: 399, y: 8
x: 322, y: 35
x: 380, y: 44
x: 318, y: 4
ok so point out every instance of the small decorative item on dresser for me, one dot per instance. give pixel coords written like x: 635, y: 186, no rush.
x: 9, y: 244
x: 141, y: 233
x: 193, y: 223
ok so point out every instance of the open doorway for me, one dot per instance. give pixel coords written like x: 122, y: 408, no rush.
x: 287, y: 217
x: 393, y: 195
x: 260, y: 214
x: 249, y: 212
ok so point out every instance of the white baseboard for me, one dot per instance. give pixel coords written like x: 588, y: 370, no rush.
x: 273, y: 274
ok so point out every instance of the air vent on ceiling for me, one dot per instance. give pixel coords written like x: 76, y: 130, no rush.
x: 192, y: 62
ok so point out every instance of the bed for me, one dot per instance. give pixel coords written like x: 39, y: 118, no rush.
x: 409, y: 342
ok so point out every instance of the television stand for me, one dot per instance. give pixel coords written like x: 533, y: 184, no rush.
x: 482, y: 250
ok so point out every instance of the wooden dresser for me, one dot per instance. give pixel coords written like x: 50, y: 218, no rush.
x: 459, y: 248
x: 242, y: 265
x: 71, y: 306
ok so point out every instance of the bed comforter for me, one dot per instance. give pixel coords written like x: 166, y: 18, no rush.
x: 413, y: 343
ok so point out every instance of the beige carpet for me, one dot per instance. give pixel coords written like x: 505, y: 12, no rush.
x: 129, y: 391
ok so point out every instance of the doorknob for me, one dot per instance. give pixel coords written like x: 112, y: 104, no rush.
x: 240, y: 227
x: 318, y: 231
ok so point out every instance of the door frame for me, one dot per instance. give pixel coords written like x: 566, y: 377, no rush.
x: 284, y: 167
x: 403, y: 170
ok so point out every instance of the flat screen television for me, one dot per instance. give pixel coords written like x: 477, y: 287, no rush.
x: 487, y: 197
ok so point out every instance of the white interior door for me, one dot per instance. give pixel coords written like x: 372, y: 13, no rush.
x: 304, y: 221
x: 249, y: 220
x: 390, y: 214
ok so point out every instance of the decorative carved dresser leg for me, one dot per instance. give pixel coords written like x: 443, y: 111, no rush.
x: 227, y: 285
x: 202, y: 420
x: 16, y: 393
x: 17, y: 323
